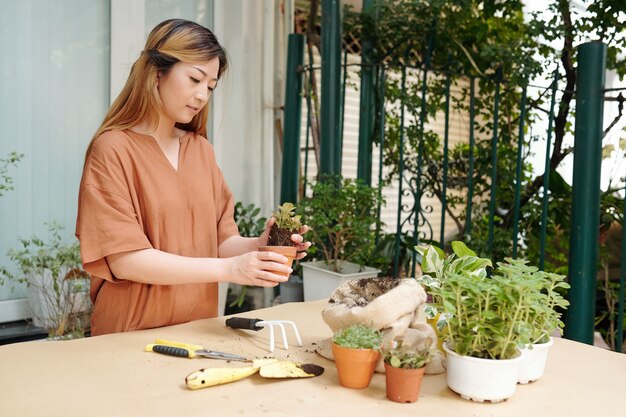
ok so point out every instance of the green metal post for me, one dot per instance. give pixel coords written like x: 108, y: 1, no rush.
x: 342, y: 107
x: 494, y: 164
x: 396, y: 258
x: 583, y: 259
x: 518, y: 170
x: 293, y: 109
x: 366, y: 107
x: 546, y: 177
x: 444, y: 186
x: 381, y: 81
x: 470, y: 175
x: 330, y: 144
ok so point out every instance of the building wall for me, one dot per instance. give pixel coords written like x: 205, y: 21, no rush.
x: 64, y: 62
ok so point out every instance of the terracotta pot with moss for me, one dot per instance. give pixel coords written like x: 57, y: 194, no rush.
x: 279, y: 239
x: 356, y: 350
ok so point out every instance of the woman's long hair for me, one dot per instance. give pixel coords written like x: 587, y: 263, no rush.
x: 169, y: 42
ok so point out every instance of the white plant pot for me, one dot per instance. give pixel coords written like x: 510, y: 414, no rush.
x: 534, y: 362
x: 320, y: 281
x: 482, y: 380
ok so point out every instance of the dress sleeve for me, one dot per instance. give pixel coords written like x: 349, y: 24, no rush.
x: 107, y: 221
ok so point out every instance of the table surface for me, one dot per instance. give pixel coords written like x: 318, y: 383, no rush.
x: 112, y: 375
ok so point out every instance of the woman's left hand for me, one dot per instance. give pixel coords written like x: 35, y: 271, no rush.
x: 300, y: 245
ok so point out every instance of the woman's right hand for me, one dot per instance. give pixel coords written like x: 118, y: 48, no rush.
x: 258, y: 268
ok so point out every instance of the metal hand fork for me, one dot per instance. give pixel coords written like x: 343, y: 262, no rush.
x: 258, y: 324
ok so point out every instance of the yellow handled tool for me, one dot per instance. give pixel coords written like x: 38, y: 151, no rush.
x: 186, y: 350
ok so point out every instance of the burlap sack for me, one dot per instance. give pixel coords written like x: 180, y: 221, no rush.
x: 394, y: 306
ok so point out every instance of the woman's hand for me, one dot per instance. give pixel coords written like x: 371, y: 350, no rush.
x: 258, y: 268
x: 300, y: 245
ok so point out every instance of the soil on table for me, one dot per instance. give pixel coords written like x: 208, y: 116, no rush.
x: 280, y: 237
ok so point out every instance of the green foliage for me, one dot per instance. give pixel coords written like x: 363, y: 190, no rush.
x: 54, y: 269
x: 490, y: 317
x: 544, y: 302
x: 248, y: 221
x: 358, y: 336
x: 286, y: 217
x: 250, y: 224
x: 384, y: 254
x: 342, y: 218
x: 493, y: 43
x: 404, y: 356
x: 6, y: 182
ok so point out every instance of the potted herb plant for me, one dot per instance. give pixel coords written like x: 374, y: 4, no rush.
x: 486, y: 320
x: 404, y: 370
x: 341, y: 214
x: 279, y: 240
x: 544, y: 316
x: 356, y: 350
x: 58, y: 287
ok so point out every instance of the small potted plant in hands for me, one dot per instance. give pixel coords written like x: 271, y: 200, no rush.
x: 404, y: 369
x: 356, y: 350
x: 279, y: 239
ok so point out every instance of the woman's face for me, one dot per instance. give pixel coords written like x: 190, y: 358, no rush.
x: 185, y: 89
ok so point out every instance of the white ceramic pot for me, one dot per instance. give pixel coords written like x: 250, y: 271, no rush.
x: 534, y: 362
x: 482, y: 380
x: 320, y: 281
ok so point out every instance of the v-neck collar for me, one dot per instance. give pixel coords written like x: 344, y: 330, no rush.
x: 153, y: 140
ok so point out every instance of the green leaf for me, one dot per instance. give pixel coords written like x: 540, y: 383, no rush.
x: 461, y: 250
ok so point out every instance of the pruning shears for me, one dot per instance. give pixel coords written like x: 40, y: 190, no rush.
x: 186, y: 350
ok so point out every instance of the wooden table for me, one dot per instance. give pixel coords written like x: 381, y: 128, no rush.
x: 112, y: 376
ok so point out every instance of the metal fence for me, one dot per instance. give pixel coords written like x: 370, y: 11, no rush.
x: 492, y: 196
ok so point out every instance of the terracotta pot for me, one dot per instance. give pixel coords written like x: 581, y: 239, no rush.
x: 288, y: 251
x: 355, y: 367
x: 403, y: 385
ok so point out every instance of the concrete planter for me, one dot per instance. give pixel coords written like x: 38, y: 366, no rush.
x: 320, y: 281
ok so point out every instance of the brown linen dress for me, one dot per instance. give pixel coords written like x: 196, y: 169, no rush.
x: 132, y: 198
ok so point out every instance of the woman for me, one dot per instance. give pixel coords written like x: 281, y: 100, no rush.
x: 155, y: 216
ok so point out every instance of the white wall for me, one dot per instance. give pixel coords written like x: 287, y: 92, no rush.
x: 247, y: 104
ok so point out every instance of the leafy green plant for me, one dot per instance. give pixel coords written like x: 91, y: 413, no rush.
x: 358, y: 336
x: 490, y: 317
x: 287, y: 223
x: 6, y: 182
x: 404, y: 356
x: 54, y: 270
x: 286, y: 217
x: 436, y: 266
x: 544, y: 301
x: 384, y: 254
x: 342, y: 218
x: 248, y: 221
